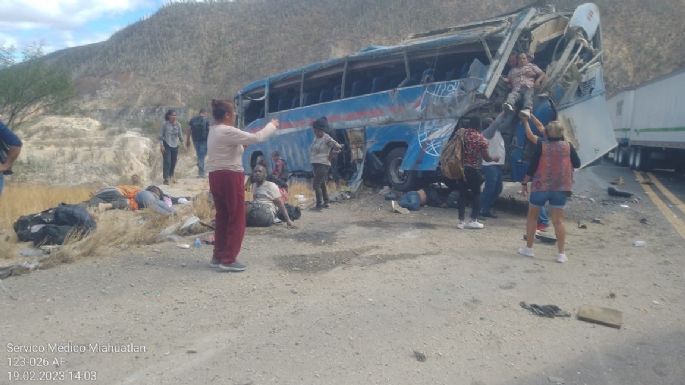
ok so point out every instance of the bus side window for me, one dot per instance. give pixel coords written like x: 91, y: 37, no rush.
x: 359, y: 87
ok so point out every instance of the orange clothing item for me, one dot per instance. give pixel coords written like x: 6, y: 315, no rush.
x: 130, y: 193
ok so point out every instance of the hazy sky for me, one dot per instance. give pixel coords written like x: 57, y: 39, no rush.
x: 58, y: 24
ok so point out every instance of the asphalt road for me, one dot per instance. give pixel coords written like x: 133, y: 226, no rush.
x: 361, y: 295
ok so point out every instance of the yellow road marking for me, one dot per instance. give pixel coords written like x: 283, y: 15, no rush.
x: 667, y: 193
x: 668, y: 214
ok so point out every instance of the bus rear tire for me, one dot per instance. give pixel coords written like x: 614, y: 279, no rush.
x: 399, y: 180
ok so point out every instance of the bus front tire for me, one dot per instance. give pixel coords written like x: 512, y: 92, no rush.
x: 399, y: 180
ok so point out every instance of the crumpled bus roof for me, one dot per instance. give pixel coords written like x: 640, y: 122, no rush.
x: 451, y: 36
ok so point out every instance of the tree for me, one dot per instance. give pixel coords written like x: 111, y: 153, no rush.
x: 30, y: 86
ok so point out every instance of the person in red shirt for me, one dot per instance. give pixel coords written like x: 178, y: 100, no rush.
x: 475, y: 150
x: 280, y: 169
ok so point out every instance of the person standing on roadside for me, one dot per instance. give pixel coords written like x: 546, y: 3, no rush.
x: 551, y: 174
x: 225, y: 146
x: 10, y: 147
x: 198, y: 129
x: 321, y: 151
x: 492, y: 171
x: 170, y: 137
x: 475, y: 150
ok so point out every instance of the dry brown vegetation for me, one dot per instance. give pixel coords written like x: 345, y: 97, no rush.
x: 189, y: 52
x: 115, y: 228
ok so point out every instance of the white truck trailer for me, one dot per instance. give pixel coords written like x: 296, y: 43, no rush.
x: 649, y: 124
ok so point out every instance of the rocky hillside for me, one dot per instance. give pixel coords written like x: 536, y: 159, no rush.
x: 188, y: 53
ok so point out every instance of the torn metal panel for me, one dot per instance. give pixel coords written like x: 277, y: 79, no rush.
x: 497, y: 66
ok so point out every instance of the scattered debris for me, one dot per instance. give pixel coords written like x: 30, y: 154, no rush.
x: 597, y: 221
x: 209, y: 240
x: 549, y: 311
x: 618, y: 181
x: 191, y: 351
x: 555, y: 380
x: 419, y: 356
x: 656, y: 302
x: 644, y: 221
x: 31, y: 252
x: 601, y: 315
x: 612, y: 191
x: 625, y: 206
x: 191, y: 226
x: 639, y: 243
x: 396, y: 208
x: 542, y: 237
x: 384, y: 190
x: 582, y: 225
x: 183, y: 246
x: 612, y: 295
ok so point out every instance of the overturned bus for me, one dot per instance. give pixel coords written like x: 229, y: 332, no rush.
x: 394, y: 107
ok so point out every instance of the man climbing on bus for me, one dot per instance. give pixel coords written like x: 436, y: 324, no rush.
x: 523, y: 79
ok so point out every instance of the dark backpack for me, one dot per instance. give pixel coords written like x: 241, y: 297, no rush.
x: 54, y: 235
x: 258, y: 215
x: 28, y: 227
x: 294, y: 212
x: 54, y: 226
x: 75, y: 216
x: 199, y: 128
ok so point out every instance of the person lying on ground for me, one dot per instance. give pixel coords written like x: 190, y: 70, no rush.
x: 168, y: 199
x: 268, y: 194
x: 127, y: 197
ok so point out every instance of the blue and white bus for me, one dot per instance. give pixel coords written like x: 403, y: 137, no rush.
x: 395, y: 106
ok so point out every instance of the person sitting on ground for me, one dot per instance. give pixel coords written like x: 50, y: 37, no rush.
x: 523, y: 79
x: 551, y: 174
x: 279, y: 171
x: 267, y: 194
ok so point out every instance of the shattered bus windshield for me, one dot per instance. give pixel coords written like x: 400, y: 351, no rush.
x: 394, y: 107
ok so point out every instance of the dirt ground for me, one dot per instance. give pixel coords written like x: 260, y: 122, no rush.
x: 360, y: 295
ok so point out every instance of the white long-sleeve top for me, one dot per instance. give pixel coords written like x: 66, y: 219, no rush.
x: 225, y: 146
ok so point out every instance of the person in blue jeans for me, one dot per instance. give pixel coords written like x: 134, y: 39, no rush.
x: 198, y: 130
x: 543, y: 219
x: 551, y: 174
x: 492, y: 171
x: 10, y: 147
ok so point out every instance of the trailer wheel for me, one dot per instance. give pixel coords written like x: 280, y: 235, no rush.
x: 642, y: 162
x: 633, y: 155
x: 398, y: 179
x: 623, y: 156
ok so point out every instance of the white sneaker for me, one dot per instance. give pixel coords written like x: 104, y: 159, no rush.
x: 561, y: 258
x: 475, y: 225
x: 526, y: 251
x: 525, y: 112
x: 461, y: 225
x: 507, y: 107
